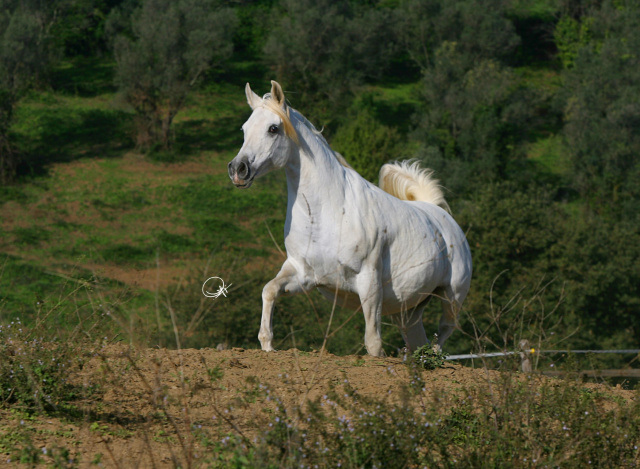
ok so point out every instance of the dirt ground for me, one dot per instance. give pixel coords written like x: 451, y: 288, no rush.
x: 150, y: 405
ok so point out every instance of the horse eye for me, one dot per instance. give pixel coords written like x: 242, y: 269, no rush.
x: 273, y: 129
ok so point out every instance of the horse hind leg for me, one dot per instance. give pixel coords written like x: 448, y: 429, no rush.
x: 411, y: 327
x: 416, y: 336
x: 451, y: 305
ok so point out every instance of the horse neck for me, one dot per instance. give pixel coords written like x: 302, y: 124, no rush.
x: 314, y: 170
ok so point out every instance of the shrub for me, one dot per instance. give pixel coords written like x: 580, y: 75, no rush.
x: 504, y: 423
x: 35, y: 370
x: 366, y: 144
x: 429, y: 358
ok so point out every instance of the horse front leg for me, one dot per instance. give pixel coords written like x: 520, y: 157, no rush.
x: 370, y: 292
x: 286, y: 282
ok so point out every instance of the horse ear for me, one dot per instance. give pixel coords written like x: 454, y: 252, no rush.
x: 276, y: 93
x: 253, y: 99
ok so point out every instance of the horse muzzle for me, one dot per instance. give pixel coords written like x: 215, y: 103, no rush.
x: 240, y: 174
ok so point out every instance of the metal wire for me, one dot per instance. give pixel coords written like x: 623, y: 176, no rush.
x: 503, y: 354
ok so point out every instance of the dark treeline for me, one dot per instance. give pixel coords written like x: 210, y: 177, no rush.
x: 528, y: 111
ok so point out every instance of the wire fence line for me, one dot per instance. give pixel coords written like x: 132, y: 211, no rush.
x: 533, y: 351
x: 527, y: 353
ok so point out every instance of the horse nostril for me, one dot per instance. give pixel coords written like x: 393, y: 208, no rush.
x: 230, y: 169
x: 243, y: 171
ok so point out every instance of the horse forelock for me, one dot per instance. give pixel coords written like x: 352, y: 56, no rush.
x: 283, y: 114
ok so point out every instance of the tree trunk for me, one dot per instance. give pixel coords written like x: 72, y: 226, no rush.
x: 8, y: 159
x: 166, y: 131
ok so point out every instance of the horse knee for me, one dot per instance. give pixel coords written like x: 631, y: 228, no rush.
x: 269, y: 292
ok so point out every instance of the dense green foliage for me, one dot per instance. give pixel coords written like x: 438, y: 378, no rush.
x: 366, y: 143
x: 530, y: 115
x: 327, y: 48
x: 117, y: 120
x: 164, y: 48
x: 25, y: 55
x: 603, y: 111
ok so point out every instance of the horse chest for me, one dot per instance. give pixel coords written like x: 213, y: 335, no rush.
x: 328, y: 249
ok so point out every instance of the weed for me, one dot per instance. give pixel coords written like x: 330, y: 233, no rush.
x: 429, y: 358
x: 34, y: 372
x: 215, y: 373
x: 504, y: 423
x: 97, y: 459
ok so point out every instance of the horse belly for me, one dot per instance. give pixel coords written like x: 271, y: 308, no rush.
x: 410, y: 282
x: 344, y: 299
x: 397, y: 296
x: 390, y: 303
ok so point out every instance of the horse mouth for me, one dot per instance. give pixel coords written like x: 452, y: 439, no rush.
x: 243, y: 184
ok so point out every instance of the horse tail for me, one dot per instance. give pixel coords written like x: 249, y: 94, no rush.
x: 406, y: 180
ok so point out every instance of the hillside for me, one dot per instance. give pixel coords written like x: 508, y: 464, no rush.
x: 114, y: 161
x: 117, y: 121
x: 234, y: 408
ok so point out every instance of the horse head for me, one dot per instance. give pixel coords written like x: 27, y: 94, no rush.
x: 269, y: 137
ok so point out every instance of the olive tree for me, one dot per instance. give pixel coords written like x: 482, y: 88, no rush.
x: 162, y: 50
x: 602, y: 114
x: 480, y: 29
x: 324, y: 49
x: 25, y: 55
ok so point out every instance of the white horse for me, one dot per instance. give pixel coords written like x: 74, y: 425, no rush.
x: 387, y: 249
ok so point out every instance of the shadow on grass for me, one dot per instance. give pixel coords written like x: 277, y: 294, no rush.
x: 85, y: 76
x: 221, y: 135
x: 246, y: 68
x: 398, y: 115
x: 64, y: 134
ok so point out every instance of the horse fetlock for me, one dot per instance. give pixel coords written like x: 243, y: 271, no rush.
x: 265, y: 339
x: 374, y: 346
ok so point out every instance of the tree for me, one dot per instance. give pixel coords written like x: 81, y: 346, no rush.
x: 162, y: 53
x: 511, y: 230
x: 603, y: 111
x: 366, y: 143
x: 479, y: 29
x: 473, y: 106
x: 472, y: 119
x: 600, y: 263
x: 323, y: 49
x: 25, y: 56
x: 80, y: 26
